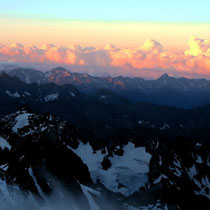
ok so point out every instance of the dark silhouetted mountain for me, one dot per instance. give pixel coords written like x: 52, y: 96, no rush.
x: 54, y: 162
x: 166, y: 90
x: 104, y: 113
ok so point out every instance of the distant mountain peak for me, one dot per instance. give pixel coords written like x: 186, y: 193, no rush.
x: 164, y: 76
x: 59, y: 68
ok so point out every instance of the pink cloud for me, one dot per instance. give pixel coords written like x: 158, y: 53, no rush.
x: 150, y: 59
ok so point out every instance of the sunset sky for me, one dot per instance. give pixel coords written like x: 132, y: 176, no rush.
x: 73, y: 25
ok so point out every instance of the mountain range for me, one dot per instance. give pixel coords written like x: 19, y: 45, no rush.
x: 104, y: 113
x: 166, y: 90
x: 64, y: 147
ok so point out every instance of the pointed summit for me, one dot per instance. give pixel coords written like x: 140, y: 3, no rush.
x: 59, y: 68
x: 164, y: 76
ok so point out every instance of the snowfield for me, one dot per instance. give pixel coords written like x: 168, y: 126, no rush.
x: 127, y: 174
x: 4, y: 143
x: 21, y: 121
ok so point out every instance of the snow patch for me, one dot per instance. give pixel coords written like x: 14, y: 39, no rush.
x: 4, y: 167
x: 51, y: 97
x: 102, y: 96
x: 204, y: 185
x: 41, y: 193
x: 192, y: 172
x: 26, y: 93
x: 165, y: 126
x: 4, y: 144
x: 160, y: 161
x: 13, y: 95
x: 199, y: 160
x: 4, y: 190
x: 21, y: 121
x: 72, y: 94
x: 149, y: 207
x: 128, y: 172
x: 158, y: 180
x: 87, y: 192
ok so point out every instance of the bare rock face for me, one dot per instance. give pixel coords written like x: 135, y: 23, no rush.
x: 106, y: 163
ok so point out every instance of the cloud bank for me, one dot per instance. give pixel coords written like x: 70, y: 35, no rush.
x: 148, y: 60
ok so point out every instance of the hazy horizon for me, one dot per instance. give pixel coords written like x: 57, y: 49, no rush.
x: 128, y: 38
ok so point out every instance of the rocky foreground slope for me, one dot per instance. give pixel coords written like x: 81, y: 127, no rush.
x: 48, y: 163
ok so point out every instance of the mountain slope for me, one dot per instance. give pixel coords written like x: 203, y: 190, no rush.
x: 105, y: 114
x: 54, y: 162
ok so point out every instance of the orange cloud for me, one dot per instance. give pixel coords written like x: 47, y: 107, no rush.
x: 149, y: 59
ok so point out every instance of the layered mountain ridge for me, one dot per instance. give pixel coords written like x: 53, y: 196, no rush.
x: 166, y: 90
x: 104, y: 113
x: 61, y: 148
